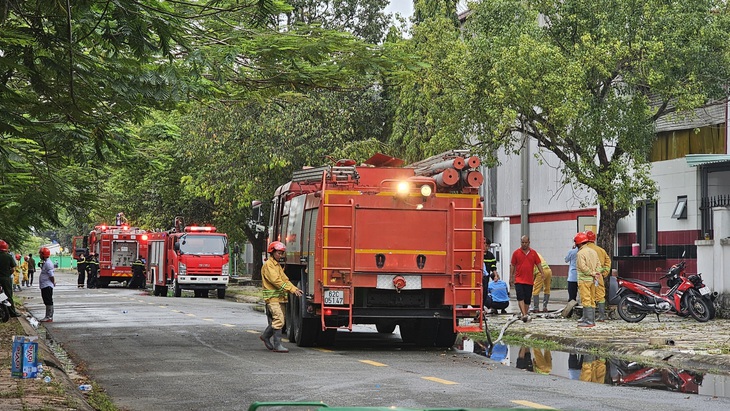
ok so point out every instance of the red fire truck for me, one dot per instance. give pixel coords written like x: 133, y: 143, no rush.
x: 190, y: 258
x: 384, y: 245
x: 117, y: 247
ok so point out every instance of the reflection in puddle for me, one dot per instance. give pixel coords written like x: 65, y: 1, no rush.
x: 612, y: 371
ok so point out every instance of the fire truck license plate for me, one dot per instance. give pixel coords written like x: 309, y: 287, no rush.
x: 704, y: 290
x: 332, y: 297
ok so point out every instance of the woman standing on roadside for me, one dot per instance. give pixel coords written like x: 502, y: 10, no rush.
x: 47, y: 281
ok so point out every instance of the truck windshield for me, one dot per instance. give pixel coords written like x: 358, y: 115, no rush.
x: 203, y: 244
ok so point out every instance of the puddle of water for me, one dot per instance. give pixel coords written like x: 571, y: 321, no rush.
x: 611, y: 371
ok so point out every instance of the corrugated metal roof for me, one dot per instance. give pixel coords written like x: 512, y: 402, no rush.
x: 694, y: 160
x: 713, y: 113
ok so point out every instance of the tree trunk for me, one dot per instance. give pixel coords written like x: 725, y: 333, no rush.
x: 257, y: 240
x: 609, y: 218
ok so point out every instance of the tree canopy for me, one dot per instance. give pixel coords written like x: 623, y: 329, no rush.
x: 588, y: 79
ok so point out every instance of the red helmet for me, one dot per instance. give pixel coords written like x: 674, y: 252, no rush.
x: 580, y: 238
x: 17, y: 257
x: 276, y: 245
x: 3, y: 245
x: 590, y: 236
x: 44, y: 252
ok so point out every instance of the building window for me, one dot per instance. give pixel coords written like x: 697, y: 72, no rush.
x: 646, y: 226
x: 680, y: 210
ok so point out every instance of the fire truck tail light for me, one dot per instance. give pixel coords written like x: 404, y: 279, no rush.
x: 327, y: 311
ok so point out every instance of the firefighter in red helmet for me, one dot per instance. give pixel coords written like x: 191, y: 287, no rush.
x: 7, y: 266
x: 276, y: 292
x: 588, y: 267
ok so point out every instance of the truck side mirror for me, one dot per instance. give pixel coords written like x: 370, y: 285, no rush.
x: 256, y: 212
x: 176, y: 246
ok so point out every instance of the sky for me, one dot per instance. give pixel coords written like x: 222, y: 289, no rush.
x: 404, y: 7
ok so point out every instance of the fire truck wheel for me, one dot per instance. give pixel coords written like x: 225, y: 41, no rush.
x: 385, y: 328
x: 221, y: 293
x: 408, y: 331
x: 306, y: 333
x: 178, y: 290
x: 445, y: 335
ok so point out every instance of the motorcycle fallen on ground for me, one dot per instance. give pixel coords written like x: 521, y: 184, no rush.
x: 687, y: 295
x: 4, y: 306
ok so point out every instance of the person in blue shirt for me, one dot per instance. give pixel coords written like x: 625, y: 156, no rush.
x: 572, y: 274
x: 498, y: 296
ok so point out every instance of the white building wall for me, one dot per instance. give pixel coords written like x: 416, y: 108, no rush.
x: 547, y: 192
x: 547, y: 195
x: 674, y: 178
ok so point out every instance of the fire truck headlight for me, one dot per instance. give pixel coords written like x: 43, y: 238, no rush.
x: 224, y: 269
x: 425, y: 190
x: 182, y: 269
x: 403, y: 188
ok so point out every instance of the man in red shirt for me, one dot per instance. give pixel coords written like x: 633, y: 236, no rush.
x: 524, y: 261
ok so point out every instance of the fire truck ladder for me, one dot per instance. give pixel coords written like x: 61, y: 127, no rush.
x: 457, y: 288
x: 346, y: 285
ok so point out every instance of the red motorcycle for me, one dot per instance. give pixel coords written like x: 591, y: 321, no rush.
x: 686, y: 296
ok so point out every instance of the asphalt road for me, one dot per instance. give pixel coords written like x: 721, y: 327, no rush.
x: 194, y: 354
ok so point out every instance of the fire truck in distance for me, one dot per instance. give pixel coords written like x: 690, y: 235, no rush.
x: 384, y: 245
x: 117, y: 247
x: 188, y: 258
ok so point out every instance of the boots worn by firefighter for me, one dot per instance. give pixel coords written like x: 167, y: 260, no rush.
x: 535, y: 304
x: 277, y: 342
x: 266, y: 337
x: 545, y: 300
x: 590, y: 316
x: 49, y: 315
x: 601, y: 312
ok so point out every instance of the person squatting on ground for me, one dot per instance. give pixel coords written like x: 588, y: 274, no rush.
x: 46, y: 281
x: 7, y: 266
x: 276, y: 292
x: 81, y: 268
x: 588, y: 265
x: 524, y: 260
x: 17, y: 274
x: 31, y: 269
x: 138, y: 270
x: 497, y: 295
x: 541, y: 283
x: 92, y: 270
x: 605, y: 271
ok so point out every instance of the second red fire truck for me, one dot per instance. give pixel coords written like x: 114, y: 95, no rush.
x: 188, y: 258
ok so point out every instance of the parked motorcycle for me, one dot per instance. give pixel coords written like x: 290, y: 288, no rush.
x: 686, y: 296
x: 4, y: 306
